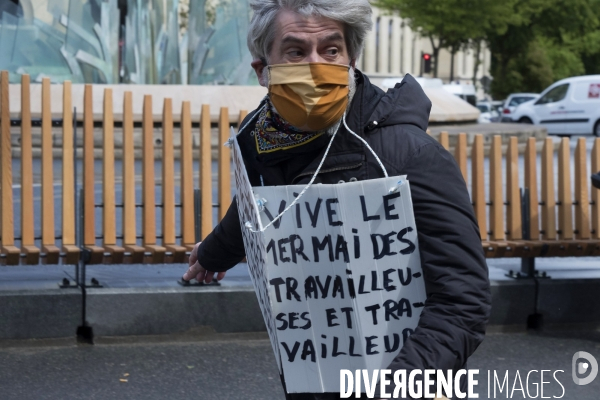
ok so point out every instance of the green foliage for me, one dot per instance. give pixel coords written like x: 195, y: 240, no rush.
x: 549, y: 40
x: 525, y: 74
x: 452, y: 23
x: 533, y: 42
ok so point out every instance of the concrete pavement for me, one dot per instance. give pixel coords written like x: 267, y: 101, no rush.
x: 206, y: 366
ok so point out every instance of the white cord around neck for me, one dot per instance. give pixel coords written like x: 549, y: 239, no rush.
x: 301, y: 193
x: 249, y: 225
x: 368, y: 147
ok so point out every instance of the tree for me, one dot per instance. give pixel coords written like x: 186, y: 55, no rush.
x: 452, y: 23
x: 546, y: 41
x: 533, y: 42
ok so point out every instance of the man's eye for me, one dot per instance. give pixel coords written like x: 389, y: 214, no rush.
x: 332, y: 51
x: 295, y: 53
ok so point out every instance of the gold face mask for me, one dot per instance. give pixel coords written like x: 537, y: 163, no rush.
x: 309, y: 94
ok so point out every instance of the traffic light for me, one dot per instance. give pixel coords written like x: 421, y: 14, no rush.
x: 426, y: 63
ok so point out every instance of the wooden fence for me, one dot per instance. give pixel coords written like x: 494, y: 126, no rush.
x: 176, y: 239
x: 552, y: 229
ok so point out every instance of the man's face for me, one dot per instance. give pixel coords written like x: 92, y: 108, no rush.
x: 302, y: 40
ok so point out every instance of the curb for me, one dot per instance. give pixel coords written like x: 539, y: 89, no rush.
x: 56, y: 313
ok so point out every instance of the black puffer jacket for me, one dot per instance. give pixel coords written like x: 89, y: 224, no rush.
x: 454, y: 318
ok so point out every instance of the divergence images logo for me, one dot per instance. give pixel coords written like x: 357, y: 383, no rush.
x: 581, y: 367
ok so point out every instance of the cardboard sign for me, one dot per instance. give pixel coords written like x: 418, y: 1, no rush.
x: 254, y: 245
x: 338, y: 277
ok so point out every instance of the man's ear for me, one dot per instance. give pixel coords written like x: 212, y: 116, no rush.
x: 353, y: 63
x: 259, y: 66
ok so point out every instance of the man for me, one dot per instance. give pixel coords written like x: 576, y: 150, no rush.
x: 306, y: 50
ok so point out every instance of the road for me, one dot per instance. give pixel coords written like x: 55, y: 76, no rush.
x: 208, y: 366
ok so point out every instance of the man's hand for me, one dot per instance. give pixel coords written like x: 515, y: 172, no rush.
x: 198, y: 272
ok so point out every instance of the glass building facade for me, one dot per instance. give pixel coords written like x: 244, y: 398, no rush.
x: 127, y: 41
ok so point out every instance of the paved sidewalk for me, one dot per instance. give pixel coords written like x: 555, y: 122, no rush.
x: 208, y: 366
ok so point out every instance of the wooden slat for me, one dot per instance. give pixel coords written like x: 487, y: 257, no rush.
x: 168, y: 173
x: 224, y: 164
x: 187, y: 178
x: 513, y: 194
x: 205, y: 172
x: 531, y: 183
x: 496, y: 195
x: 548, y: 194
x: 477, y: 185
x: 565, y: 197
x: 27, y: 213
x: 168, y: 185
x: 549, y: 223
x: 89, y: 225
x: 129, y: 220
x: 444, y: 140
x: 460, y: 154
x: 129, y: 211
x: 148, y: 184
x: 68, y: 180
x: 596, y: 192
x: 243, y: 114
x: 108, y: 172
x: 109, y: 223
x: 48, y: 238
x: 6, y: 201
x: 88, y: 168
x: 582, y: 207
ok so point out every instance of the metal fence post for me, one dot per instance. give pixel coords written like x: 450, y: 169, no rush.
x: 197, y: 214
x: 527, y: 263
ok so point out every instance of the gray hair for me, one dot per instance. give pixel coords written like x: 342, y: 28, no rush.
x: 355, y: 15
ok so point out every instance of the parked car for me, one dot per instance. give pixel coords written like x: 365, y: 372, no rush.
x: 513, y: 101
x: 489, y: 112
x: 569, y: 106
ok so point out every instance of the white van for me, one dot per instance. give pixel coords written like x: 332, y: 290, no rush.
x: 569, y: 106
x: 465, y: 92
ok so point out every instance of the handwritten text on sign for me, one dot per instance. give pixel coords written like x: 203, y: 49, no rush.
x: 344, y: 278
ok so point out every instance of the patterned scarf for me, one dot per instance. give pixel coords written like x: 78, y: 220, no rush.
x: 272, y: 133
